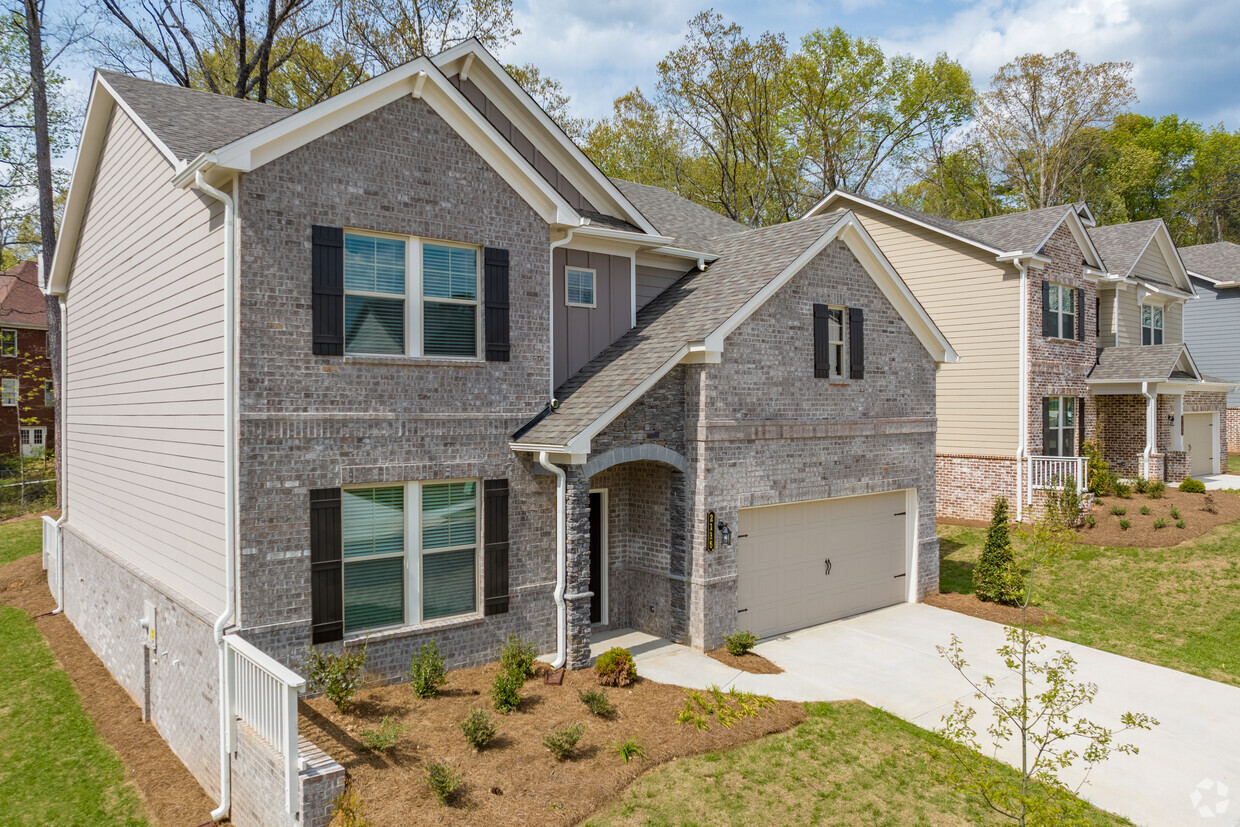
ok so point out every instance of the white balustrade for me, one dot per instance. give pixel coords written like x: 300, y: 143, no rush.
x: 264, y: 695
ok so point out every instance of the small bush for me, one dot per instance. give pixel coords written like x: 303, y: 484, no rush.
x: 1123, y: 490
x: 1159, y: 522
x: 1119, y: 510
x: 506, y: 691
x: 479, y: 728
x: 740, y: 642
x: 1141, y: 486
x: 1175, y: 513
x: 427, y: 671
x: 1145, y: 510
x: 1124, y: 524
x: 336, y: 676
x: 596, y: 701
x: 347, y: 809
x: 443, y: 781
x: 1157, y: 489
x: 563, y: 742
x: 996, y: 577
x: 628, y: 750
x: 615, y: 667
x: 383, y: 737
x: 517, y: 656
x: 1090, y: 522
x: 1179, y: 523
x: 725, y: 707
x: 1192, y: 486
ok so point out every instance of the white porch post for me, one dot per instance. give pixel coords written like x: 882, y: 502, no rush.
x: 1177, y: 427
x: 1151, y: 431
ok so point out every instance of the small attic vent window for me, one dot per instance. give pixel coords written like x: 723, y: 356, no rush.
x: 579, y: 287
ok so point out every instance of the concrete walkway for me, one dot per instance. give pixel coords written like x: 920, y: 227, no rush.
x: 1187, y: 766
x: 1215, y: 481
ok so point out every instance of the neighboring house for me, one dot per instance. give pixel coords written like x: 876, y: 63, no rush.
x: 1047, y: 313
x: 405, y: 365
x: 27, y: 403
x: 1212, y: 324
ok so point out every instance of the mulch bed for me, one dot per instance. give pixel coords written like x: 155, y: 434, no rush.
x: 750, y: 662
x: 1008, y: 615
x: 1141, y: 532
x: 169, y: 794
x: 515, y: 780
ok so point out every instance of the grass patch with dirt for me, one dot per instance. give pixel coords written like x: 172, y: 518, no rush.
x: 1177, y: 607
x: 19, y: 538
x: 1233, y: 463
x: 849, y: 763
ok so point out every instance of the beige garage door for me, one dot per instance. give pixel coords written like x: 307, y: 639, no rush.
x: 810, y: 562
x: 1200, y: 442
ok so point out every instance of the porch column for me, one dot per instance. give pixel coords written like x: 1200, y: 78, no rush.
x: 1151, y: 433
x: 577, y: 585
x: 1177, y: 428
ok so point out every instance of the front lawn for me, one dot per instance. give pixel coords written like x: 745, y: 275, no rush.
x: 19, y: 538
x: 1233, y: 463
x: 1177, y: 607
x: 848, y: 764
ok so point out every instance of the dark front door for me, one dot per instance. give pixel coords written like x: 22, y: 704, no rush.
x: 596, y: 557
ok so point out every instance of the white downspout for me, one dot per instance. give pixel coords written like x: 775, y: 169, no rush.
x: 230, y: 488
x: 1151, y: 428
x: 64, y: 460
x: 1022, y: 440
x: 561, y: 558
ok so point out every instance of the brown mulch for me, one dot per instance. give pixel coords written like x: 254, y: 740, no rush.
x: 750, y: 662
x: 1141, y: 532
x: 169, y: 794
x: 970, y: 605
x: 515, y: 780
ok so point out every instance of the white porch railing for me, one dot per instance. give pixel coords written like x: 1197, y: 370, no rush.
x: 1049, y: 472
x: 263, y: 693
x: 51, y: 536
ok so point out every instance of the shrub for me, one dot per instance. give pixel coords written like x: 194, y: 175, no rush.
x: 1119, y: 510
x: 1175, y: 513
x: 1090, y: 521
x: 596, y: 701
x: 385, y: 736
x: 1063, y: 501
x: 996, y: 577
x: 479, y: 728
x: 1179, y: 523
x: 615, y: 667
x: 1145, y: 509
x: 347, y: 809
x: 336, y: 676
x: 1123, y: 490
x: 1192, y: 486
x: 1100, y: 478
x: 1157, y: 489
x: 1124, y: 524
x: 443, y: 781
x: 629, y: 749
x: 740, y: 642
x: 506, y: 691
x: 1159, y: 522
x: 563, y: 742
x: 1141, y: 486
x: 725, y: 707
x: 517, y: 657
x: 427, y: 671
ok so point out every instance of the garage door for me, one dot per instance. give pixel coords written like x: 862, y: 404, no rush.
x: 1200, y: 442
x: 810, y: 562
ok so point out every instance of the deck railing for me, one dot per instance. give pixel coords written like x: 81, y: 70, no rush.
x: 1051, y: 472
x: 51, y: 542
x: 264, y: 695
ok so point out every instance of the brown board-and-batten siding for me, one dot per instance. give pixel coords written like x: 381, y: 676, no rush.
x: 581, y: 333
x: 651, y: 281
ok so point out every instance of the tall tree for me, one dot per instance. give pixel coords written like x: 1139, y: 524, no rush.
x: 549, y: 93
x: 384, y: 34
x: 639, y: 143
x: 1209, y: 202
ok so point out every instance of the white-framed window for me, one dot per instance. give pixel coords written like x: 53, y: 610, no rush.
x: 1059, y: 426
x: 412, y: 553
x: 836, y: 343
x: 1061, y: 305
x: 33, y: 441
x: 49, y: 394
x: 8, y: 392
x: 1151, y: 325
x: 8, y: 342
x: 410, y: 296
x: 579, y: 287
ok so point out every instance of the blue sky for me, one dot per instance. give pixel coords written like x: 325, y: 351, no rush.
x: 1186, y: 56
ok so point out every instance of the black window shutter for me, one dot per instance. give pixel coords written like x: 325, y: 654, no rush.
x: 327, y: 276
x: 1080, y: 313
x: 495, y: 294
x: 495, y: 546
x: 326, y: 573
x: 822, y: 338
x: 856, y: 343
x: 1049, y: 326
x: 1097, y: 317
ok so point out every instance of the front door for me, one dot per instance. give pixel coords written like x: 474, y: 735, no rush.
x: 596, y: 556
x: 1200, y: 443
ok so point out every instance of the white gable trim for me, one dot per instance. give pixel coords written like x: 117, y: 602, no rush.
x: 1082, y: 237
x: 822, y: 205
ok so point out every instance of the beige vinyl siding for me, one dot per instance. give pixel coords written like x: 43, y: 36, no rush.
x: 145, y: 379
x: 1129, y: 315
x: 1153, y: 266
x: 1173, y: 323
x: 1106, y: 318
x: 651, y: 281
x: 976, y: 303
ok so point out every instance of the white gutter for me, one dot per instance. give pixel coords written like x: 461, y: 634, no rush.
x: 64, y: 459
x: 230, y: 486
x: 561, y: 558
x: 1151, y: 427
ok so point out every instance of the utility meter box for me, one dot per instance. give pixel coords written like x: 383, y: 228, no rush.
x: 148, y: 622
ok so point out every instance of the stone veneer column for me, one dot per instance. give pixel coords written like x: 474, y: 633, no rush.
x: 678, y: 561
x: 577, y: 590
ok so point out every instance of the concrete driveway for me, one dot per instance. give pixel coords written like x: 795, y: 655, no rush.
x: 1216, y: 481
x: 1188, y: 769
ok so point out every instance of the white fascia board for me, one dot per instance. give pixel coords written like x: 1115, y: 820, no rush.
x: 637, y: 239
x: 557, y: 454
x: 1204, y: 277
x: 593, y: 183
x: 1186, y: 354
x: 1083, y: 241
x: 821, y: 206
x: 1172, y: 255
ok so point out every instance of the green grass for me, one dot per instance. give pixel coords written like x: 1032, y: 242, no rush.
x: 1176, y: 607
x: 848, y: 764
x: 1233, y: 463
x: 19, y: 539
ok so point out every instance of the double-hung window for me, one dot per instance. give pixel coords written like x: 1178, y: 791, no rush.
x: 1061, y: 304
x: 8, y: 342
x: 835, y: 341
x: 579, y: 287
x: 49, y: 394
x: 8, y: 392
x: 408, y: 296
x: 1151, y: 325
x: 1059, y: 426
x: 410, y: 553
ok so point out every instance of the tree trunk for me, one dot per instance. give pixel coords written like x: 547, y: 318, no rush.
x: 47, y: 220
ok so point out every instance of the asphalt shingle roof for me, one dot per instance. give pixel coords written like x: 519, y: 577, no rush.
x: 1219, y: 261
x: 21, y: 300
x: 1137, y: 363
x: 188, y: 121
x: 1023, y: 231
x: 689, y: 310
x: 692, y: 225
x: 1120, y: 245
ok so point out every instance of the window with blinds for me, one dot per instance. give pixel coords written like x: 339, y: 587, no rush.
x: 449, y: 549
x: 374, y: 294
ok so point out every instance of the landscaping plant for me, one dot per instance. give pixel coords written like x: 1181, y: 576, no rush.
x: 347, y: 809
x: 443, y: 781
x: 1124, y: 524
x: 1141, y: 485
x: 1175, y: 513
x: 615, y: 667
x: 1157, y: 489
x: 1064, y: 501
x: 385, y: 736
x: 427, y: 671
x: 1098, y: 473
x: 479, y: 728
x: 1119, y: 510
x: 1159, y: 522
x: 596, y: 701
x: 1122, y: 490
x: 1090, y: 521
x: 740, y: 642
x: 339, y: 677
x: 517, y: 656
x: 1145, y: 510
x: 996, y: 577
x: 628, y: 750
x: 563, y: 742
x: 1192, y: 486
x: 1179, y: 523
x: 506, y: 691
x: 725, y: 707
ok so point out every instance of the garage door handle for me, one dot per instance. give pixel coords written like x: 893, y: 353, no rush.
x: 828, y: 564
x: 897, y: 576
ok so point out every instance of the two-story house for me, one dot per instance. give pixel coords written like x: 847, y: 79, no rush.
x: 1212, y: 324
x: 27, y: 401
x: 1067, y: 332
x: 405, y: 365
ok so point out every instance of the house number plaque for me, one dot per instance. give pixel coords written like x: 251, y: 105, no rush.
x: 710, y: 530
